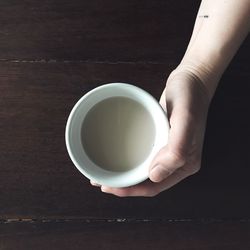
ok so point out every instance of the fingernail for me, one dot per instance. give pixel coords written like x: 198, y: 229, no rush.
x: 158, y: 173
x: 154, y: 174
x: 104, y: 189
x: 94, y: 184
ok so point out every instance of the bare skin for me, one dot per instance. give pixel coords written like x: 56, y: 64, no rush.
x: 220, y: 28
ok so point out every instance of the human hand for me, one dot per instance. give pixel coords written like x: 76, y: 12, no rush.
x: 188, y: 92
x: 186, y: 100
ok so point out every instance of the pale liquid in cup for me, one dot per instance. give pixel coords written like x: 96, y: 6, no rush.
x: 118, y: 134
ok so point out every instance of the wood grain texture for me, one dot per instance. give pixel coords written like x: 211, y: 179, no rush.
x: 51, y: 53
x: 125, y: 235
x: 94, y: 30
x: 38, y: 179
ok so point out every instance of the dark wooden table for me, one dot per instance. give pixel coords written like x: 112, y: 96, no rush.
x: 51, y: 53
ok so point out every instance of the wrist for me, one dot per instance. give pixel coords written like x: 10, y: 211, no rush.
x: 207, y: 74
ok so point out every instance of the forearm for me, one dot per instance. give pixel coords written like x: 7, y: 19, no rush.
x: 219, y: 30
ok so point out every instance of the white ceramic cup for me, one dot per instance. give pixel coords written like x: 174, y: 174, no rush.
x: 78, y: 153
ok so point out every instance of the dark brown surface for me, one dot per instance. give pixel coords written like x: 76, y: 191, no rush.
x: 134, y: 235
x: 94, y: 30
x: 51, y: 53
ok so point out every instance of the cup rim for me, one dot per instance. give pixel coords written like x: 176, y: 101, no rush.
x: 121, y: 179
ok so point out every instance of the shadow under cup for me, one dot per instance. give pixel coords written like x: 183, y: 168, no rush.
x: 113, y: 132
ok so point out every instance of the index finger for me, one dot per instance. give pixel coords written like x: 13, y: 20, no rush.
x: 148, y: 188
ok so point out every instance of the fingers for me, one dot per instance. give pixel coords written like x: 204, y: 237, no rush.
x: 142, y: 189
x: 165, y: 164
x: 163, y: 100
x: 94, y: 184
x: 175, y: 154
x: 148, y: 188
x: 173, y: 179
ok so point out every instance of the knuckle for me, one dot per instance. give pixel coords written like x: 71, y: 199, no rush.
x: 152, y: 194
x: 192, y: 167
x: 195, y: 167
x: 178, y: 159
x: 122, y: 193
x: 194, y: 171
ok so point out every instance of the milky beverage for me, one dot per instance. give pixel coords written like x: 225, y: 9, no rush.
x: 118, y: 134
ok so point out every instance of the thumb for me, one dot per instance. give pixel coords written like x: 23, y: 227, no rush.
x: 174, y: 154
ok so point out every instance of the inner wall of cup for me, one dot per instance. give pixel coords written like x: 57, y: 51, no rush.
x: 118, y: 134
x: 79, y: 156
